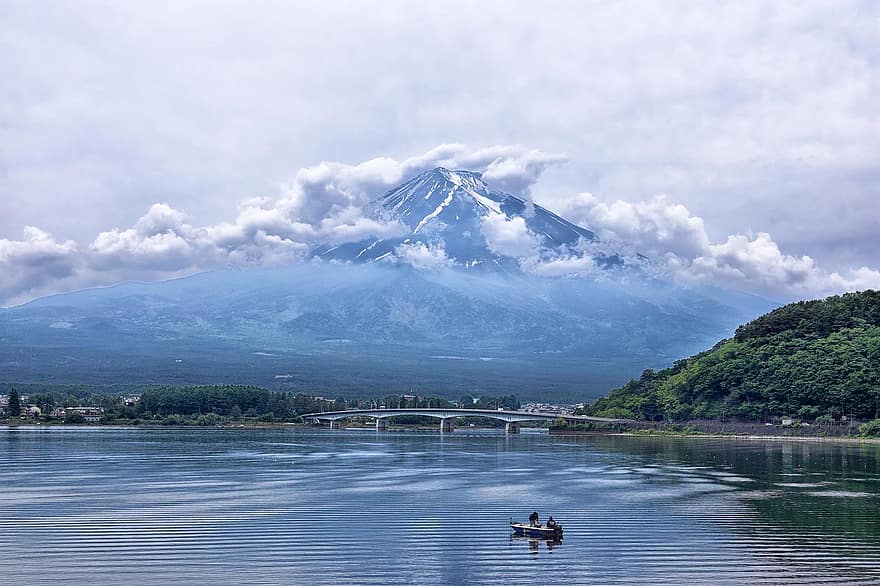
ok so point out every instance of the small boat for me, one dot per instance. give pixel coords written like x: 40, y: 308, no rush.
x: 540, y: 531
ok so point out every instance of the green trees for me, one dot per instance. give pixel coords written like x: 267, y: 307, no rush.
x: 813, y: 319
x: 75, y: 417
x: 816, y: 359
x: 14, y: 404
x: 219, y: 403
x: 210, y: 399
x: 870, y: 429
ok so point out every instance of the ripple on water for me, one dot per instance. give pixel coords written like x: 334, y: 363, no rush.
x: 342, y: 508
x: 841, y: 494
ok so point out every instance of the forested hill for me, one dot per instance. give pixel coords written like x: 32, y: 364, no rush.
x: 805, y: 360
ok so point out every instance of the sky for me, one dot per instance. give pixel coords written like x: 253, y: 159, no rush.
x: 734, y: 142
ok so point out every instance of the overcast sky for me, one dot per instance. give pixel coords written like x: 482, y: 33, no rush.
x: 758, y: 122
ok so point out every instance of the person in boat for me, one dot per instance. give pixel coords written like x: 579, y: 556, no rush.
x: 551, y: 522
x: 533, y: 519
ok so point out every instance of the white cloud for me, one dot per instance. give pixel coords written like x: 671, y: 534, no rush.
x: 509, y: 236
x: 422, y: 256
x: 853, y: 280
x: 513, y: 169
x: 34, y: 264
x: 325, y: 203
x: 756, y: 261
x: 568, y: 265
x: 654, y: 227
x: 330, y: 189
x: 677, y: 244
x: 741, y: 110
x: 159, y: 241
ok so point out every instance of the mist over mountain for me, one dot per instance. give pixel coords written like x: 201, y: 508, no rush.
x: 461, y: 215
x: 446, y: 307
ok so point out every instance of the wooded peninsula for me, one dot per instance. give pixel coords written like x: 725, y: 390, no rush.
x: 811, y: 361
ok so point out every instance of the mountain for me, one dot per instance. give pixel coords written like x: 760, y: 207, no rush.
x: 360, y: 326
x: 807, y: 360
x: 447, y: 208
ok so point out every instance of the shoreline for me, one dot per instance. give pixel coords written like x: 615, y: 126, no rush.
x: 561, y: 433
x: 746, y: 437
x: 260, y: 425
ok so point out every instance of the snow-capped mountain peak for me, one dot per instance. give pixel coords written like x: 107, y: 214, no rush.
x: 447, y: 209
x: 442, y: 195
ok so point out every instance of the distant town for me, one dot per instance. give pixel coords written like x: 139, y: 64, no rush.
x: 216, y: 405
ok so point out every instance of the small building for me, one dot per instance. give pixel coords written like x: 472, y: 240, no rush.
x: 90, y: 414
x: 26, y: 410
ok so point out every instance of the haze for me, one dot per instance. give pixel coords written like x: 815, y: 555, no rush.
x: 133, y: 134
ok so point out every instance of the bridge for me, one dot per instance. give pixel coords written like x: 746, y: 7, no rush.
x: 446, y: 417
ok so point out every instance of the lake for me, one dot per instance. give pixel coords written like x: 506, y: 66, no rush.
x: 292, y: 506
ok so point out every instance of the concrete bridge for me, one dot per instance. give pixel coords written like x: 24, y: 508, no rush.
x: 446, y: 417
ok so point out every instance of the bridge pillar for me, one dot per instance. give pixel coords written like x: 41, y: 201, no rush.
x: 381, y: 424
x: 446, y: 426
x: 512, y: 427
x: 334, y: 424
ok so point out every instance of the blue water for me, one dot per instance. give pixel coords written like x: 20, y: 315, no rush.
x: 279, y: 506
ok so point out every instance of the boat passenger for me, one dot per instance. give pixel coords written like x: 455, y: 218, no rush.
x: 533, y: 519
x: 551, y: 522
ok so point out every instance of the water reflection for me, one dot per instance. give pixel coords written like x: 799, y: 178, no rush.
x: 535, y: 545
x: 821, y: 488
x: 113, y: 506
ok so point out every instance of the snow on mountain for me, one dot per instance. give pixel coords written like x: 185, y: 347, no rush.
x: 449, y: 210
x: 367, y: 326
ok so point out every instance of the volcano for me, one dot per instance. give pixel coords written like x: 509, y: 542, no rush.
x: 447, y: 210
x: 367, y: 323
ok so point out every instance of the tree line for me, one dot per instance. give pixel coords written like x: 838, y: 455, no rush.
x: 215, y: 404
x: 816, y: 360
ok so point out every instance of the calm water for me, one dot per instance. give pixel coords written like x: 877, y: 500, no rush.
x: 132, y: 506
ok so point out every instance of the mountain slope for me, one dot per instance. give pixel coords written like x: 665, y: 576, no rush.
x: 805, y: 359
x: 359, y: 325
x: 355, y: 329
x: 447, y: 209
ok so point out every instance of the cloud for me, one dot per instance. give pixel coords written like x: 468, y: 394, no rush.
x: 159, y: 241
x: 322, y: 203
x: 422, y: 256
x: 508, y: 236
x: 334, y: 189
x: 326, y: 203
x: 741, y: 110
x: 567, y: 265
x: 756, y: 260
x: 854, y: 280
x: 513, y: 169
x: 34, y: 264
x: 678, y: 245
x: 654, y: 227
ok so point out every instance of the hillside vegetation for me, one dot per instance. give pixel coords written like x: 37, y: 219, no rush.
x: 807, y: 360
